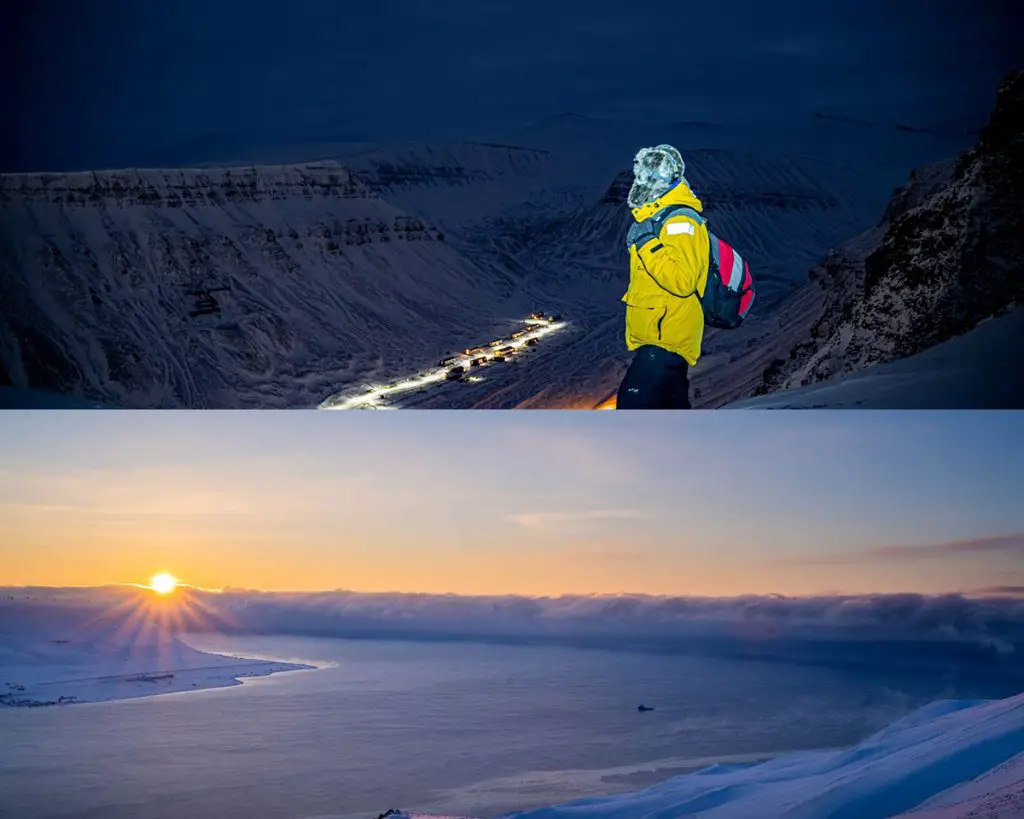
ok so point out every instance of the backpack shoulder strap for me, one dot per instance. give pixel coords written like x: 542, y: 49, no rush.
x: 667, y: 213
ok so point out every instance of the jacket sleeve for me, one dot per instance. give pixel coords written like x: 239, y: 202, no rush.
x: 678, y: 257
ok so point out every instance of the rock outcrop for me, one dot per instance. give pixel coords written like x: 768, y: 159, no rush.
x: 948, y: 254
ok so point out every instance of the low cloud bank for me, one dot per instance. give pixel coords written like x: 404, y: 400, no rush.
x: 890, y: 629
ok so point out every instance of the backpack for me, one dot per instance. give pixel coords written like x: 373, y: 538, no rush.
x: 729, y: 292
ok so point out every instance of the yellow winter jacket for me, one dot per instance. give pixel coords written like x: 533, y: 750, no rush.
x: 666, y: 276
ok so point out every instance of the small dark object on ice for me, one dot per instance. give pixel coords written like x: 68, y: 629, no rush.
x: 643, y: 708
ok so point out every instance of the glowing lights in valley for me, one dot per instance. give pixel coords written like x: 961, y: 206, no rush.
x: 371, y: 399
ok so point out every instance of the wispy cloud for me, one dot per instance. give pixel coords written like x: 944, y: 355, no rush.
x: 1002, y: 591
x: 551, y: 518
x: 1011, y: 544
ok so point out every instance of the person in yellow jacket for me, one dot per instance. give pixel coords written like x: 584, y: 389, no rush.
x: 668, y: 269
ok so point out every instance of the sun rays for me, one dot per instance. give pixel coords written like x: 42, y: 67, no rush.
x: 148, y: 619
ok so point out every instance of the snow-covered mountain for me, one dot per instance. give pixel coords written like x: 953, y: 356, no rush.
x: 276, y: 286
x: 263, y: 286
x: 948, y: 254
x: 951, y: 759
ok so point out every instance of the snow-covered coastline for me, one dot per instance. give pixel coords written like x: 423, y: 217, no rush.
x: 35, y: 675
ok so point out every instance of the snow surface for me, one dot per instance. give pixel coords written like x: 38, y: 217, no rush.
x: 997, y: 794
x: 59, y: 660
x: 951, y: 759
x: 981, y: 369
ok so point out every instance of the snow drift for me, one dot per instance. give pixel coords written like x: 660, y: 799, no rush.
x: 948, y: 760
x: 936, y: 748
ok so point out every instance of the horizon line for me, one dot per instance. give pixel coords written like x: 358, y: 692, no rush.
x: 987, y: 591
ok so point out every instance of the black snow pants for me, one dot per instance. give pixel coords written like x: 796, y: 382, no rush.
x: 657, y: 379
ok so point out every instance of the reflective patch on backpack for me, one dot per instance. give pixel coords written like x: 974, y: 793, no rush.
x: 675, y: 228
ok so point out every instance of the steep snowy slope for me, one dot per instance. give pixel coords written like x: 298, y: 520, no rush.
x: 997, y: 794
x: 897, y: 769
x: 268, y: 286
x: 948, y: 760
x: 951, y: 255
x: 981, y: 369
x: 491, y: 200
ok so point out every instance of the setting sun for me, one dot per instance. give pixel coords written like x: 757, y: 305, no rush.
x: 163, y: 583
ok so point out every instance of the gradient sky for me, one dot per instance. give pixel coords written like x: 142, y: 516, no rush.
x: 537, y: 503
x: 114, y: 83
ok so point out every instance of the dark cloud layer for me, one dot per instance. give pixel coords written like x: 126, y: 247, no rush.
x: 919, y: 631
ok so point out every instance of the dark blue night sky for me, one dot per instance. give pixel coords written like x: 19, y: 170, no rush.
x: 108, y: 83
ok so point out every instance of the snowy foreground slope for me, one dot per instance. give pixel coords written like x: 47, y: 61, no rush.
x: 948, y: 760
x: 997, y: 794
x: 981, y: 369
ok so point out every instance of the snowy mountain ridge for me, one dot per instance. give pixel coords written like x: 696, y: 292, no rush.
x: 185, y: 186
x: 947, y: 255
x: 267, y: 286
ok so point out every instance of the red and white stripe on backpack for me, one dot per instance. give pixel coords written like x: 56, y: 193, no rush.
x: 734, y: 272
